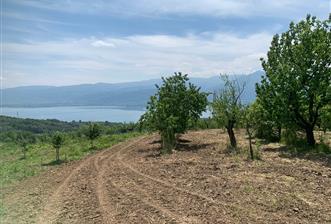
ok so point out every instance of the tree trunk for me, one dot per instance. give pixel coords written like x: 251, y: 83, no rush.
x: 232, y: 137
x: 57, y: 154
x: 24, y: 153
x: 168, y: 141
x: 250, y: 143
x: 310, y: 136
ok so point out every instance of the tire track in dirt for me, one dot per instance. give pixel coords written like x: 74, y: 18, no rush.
x: 171, y: 189
x: 144, y: 207
x: 154, y: 195
x: 127, y: 184
x: 103, y: 200
x: 119, y: 193
x: 55, y: 203
x: 103, y: 203
x: 154, y: 179
x: 92, y: 172
x: 103, y: 188
x: 146, y: 198
x: 73, y: 200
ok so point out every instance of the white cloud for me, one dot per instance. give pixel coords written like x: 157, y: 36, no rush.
x: 136, y: 57
x: 101, y: 43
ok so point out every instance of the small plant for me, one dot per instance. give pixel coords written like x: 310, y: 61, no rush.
x: 57, y: 142
x: 23, y: 140
x: 24, y: 145
x: 257, y: 154
x: 92, y: 132
x: 248, y: 120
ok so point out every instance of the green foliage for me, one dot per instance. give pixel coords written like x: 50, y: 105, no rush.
x: 257, y: 151
x: 325, y: 121
x: 263, y: 122
x: 24, y: 139
x: 298, y: 75
x: 250, y: 121
x: 43, y: 129
x: 36, y: 126
x: 290, y: 137
x: 175, y: 105
x: 227, y: 107
x: 57, y: 142
x: 205, y: 123
x: 41, y: 155
x: 92, y: 131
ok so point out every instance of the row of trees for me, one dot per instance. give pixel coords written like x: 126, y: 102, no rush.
x: 295, y: 92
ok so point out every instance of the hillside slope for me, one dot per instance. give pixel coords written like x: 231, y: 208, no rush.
x: 199, y: 183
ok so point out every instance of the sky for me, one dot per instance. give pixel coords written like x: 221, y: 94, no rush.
x: 68, y: 42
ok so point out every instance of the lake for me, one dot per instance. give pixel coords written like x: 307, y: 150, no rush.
x: 83, y: 113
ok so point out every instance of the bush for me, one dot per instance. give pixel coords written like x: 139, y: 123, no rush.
x: 92, y: 132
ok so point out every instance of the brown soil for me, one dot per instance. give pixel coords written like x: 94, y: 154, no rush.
x: 199, y: 183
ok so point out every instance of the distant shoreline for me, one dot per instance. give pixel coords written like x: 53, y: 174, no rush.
x: 71, y: 113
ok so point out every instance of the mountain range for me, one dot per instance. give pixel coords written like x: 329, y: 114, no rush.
x: 128, y: 95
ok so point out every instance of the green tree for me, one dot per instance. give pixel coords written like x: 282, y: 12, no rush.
x: 298, y: 74
x: 227, y: 106
x: 92, y: 132
x: 57, y: 142
x: 176, y: 104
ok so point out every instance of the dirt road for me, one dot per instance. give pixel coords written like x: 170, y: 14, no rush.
x: 131, y: 183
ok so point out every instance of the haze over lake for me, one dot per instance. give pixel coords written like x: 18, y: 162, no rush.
x: 70, y: 113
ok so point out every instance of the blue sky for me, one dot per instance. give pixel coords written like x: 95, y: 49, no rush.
x: 65, y: 42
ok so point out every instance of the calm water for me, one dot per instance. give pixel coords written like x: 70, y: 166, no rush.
x: 84, y: 113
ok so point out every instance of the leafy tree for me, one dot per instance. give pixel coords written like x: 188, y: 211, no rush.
x: 227, y: 106
x: 57, y: 142
x: 176, y: 104
x: 298, y: 74
x: 92, y: 132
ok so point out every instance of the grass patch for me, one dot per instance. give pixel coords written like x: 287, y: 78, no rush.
x: 301, y: 148
x: 2, y: 211
x: 41, y: 156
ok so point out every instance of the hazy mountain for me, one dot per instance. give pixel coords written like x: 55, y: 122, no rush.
x: 131, y: 94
